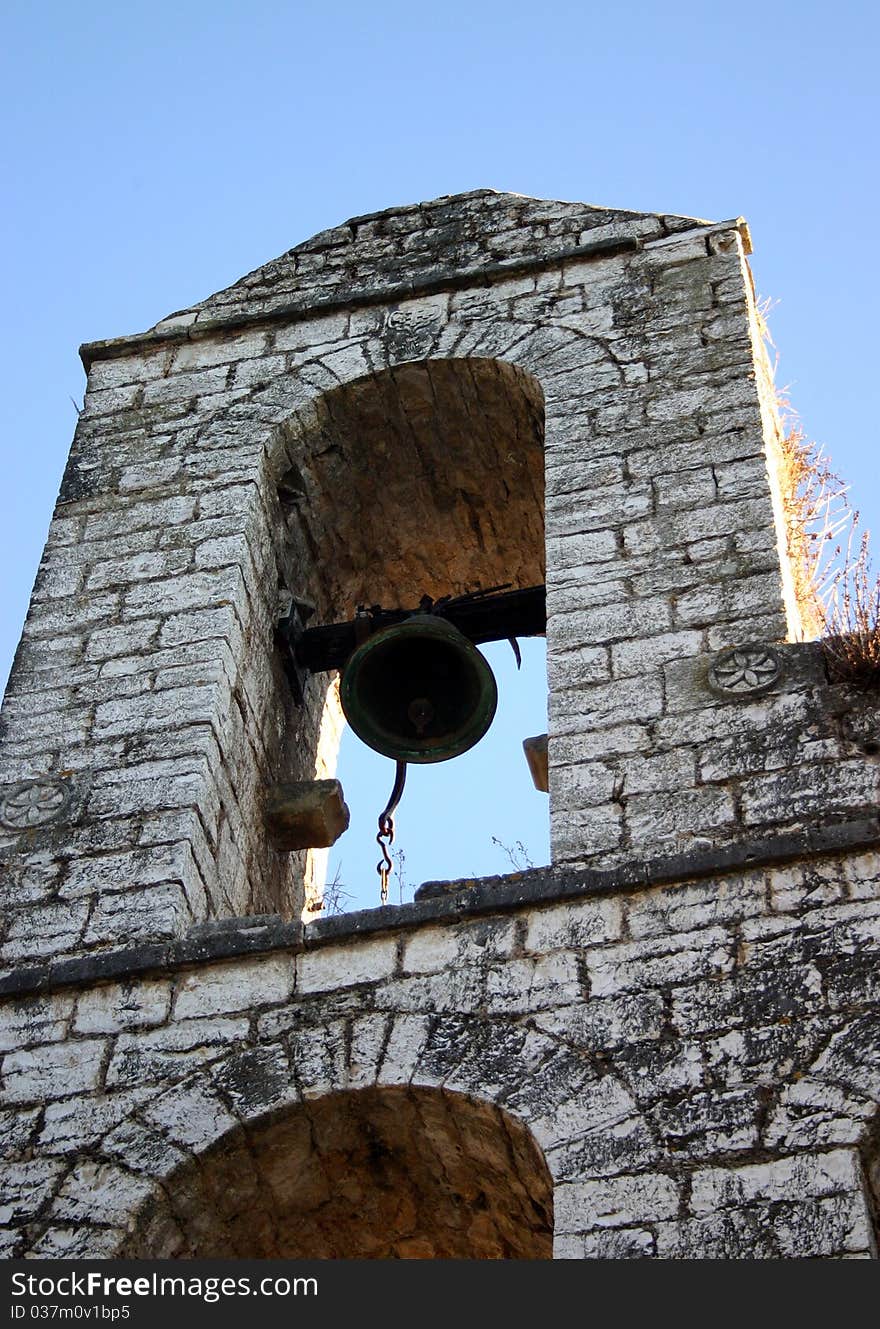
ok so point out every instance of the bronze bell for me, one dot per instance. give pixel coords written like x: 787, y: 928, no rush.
x: 419, y: 691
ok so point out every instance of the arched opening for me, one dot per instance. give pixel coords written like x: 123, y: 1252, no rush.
x: 424, y: 479
x: 381, y: 1173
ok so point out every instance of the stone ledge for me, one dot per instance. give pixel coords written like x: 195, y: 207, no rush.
x: 435, y: 902
x: 441, y: 279
x: 216, y: 940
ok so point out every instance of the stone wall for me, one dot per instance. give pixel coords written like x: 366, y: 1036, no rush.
x: 691, y: 1066
x: 146, y: 714
x: 663, y: 1044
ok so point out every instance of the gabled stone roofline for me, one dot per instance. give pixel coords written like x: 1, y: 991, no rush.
x: 183, y: 327
x: 499, y: 196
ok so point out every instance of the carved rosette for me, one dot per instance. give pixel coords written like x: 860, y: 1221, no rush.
x: 34, y: 804
x: 745, y: 671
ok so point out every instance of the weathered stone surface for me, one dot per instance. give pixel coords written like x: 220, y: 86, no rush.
x: 173, y: 555
x: 325, y: 971
x: 639, y: 1120
x: 308, y: 815
x: 235, y: 987
x: 662, y: 1046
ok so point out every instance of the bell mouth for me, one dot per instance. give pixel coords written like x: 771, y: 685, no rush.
x: 419, y: 691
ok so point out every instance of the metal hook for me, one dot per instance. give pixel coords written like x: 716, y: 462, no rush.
x: 386, y: 829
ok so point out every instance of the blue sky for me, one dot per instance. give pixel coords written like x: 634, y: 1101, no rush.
x: 153, y: 153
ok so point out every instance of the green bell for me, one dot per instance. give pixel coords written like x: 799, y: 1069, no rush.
x: 419, y: 691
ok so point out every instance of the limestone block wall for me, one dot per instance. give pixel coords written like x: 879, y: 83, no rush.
x: 664, y: 1044
x: 368, y: 416
x: 683, y: 1069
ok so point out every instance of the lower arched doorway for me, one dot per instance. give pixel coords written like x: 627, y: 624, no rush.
x: 380, y: 1173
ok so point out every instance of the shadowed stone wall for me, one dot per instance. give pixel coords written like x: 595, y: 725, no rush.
x: 673, y: 1024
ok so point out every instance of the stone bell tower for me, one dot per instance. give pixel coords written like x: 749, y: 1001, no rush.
x: 664, y: 1044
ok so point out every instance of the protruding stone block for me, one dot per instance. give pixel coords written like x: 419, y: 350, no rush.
x: 536, y: 755
x: 309, y: 814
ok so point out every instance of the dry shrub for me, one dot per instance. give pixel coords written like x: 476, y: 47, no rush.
x: 837, y: 592
x: 817, y: 513
x: 851, y: 638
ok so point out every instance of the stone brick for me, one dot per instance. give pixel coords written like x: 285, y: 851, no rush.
x: 76, y: 1124
x: 183, y: 387
x: 608, y: 1022
x: 171, y: 1053
x: 834, y: 787
x: 120, y: 871
x: 680, y: 816
x: 318, y: 1064
x: 98, y: 1192
x: 647, y: 654
x: 839, y: 1224
x: 677, y: 909
x: 615, y: 1202
x: 191, y: 1116
x: 705, y: 1124
x: 574, y: 925
x: 406, y: 1043
x: 813, y: 1113
x: 368, y: 1043
x: 186, y: 591
x: 325, y: 970
x: 613, y: 704
x: 25, y: 1188
x: 582, y: 786
x: 40, y: 1020
x: 76, y: 1243
x: 17, y: 1130
x: 257, y: 1080
x: 678, y: 959
x: 116, y: 1006
x: 620, y: 1142
x: 582, y: 835
x: 143, y: 1148
x: 533, y: 985
x: 803, y: 1175
x: 59, y: 927
x: 53, y: 1072
x: 436, y: 949
x: 623, y: 1244
x: 160, y: 910
x: 235, y: 987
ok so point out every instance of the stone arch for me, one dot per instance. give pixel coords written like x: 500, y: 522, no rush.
x: 383, y: 1173
x: 479, y: 358
x: 426, y: 477
x: 835, y: 1100
x: 264, y: 737
x: 835, y: 1105
x: 495, y: 1089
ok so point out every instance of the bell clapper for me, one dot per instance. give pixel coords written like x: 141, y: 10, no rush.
x: 421, y: 713
x: 385, y: 838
